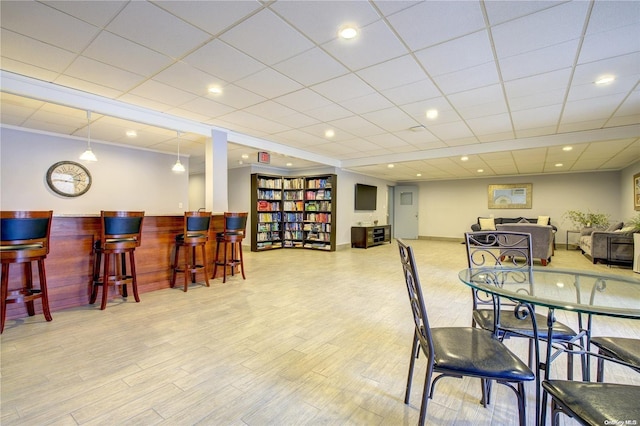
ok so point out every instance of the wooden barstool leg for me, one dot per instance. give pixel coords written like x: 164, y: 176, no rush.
x: 204, y: 263
x: 241, y: 261
x: 105, y: 282
x: 43, y: 290
x: 186, y: 268
x: 97, y: 257
x: 192, y: 269
x: 224, y: 277
x: 123, y: 273
x: 215, y: 260
x: 28, y: 272
x: 3, y: 294
x: 174, y: 266
x: 134, y: 279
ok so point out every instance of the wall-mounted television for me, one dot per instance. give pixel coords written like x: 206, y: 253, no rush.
x: 365, y: 197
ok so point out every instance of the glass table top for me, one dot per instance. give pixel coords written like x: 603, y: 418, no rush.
x: 572, y: 290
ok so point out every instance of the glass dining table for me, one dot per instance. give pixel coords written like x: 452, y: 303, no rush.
x: 586, y: 293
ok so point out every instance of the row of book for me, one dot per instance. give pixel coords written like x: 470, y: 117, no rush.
x: 268, y: 206
x: 293, y: 235
x: 297, y: 183
x: 267, y: 236
x: 318, y: 217
x: 269, y: 194
x: 268, y: 226
x: 293, y: 217
x: 293, y: 195
x: 317, y: 227
x: 293, y: 206
x: 322, y: 194
x: 270, y: 217
x: 270, y: 183
x: 319, y: 183
x: 293, y: 226
x: 318, y: 206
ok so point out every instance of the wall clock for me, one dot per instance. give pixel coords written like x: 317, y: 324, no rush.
x: 68, y: 178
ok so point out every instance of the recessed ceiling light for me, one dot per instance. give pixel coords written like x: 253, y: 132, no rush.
x: 240, y: 162
x: 329, y: 133
x: 215, y: 90
x: 464, y: 158
x: 289, y: 164
x: 348, y: 32
x: 419, y: 174
x: 559, y: 164
x: 567, y: 148
x: 605, y: 79
x: 432, y: 114
x: 419, y: 128
x: 131, y: 133
x: 245, y: 156
x: 480, y: 170
x: 390, y: 166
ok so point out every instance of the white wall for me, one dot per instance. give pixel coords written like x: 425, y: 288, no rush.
x: 123, y: 178
x: 448, y: 208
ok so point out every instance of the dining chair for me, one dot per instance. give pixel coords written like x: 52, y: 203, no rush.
x: 511, y: 250
x: 121, y: 233
x: 594, y: 404
x: 24, y: 239
x: 458, y: 351
x: 195, y: 234
x: 624, y: 349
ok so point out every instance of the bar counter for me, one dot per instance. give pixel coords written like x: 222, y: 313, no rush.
x: 69, y: 264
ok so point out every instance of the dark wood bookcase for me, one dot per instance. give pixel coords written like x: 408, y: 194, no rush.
x: 293, y: 212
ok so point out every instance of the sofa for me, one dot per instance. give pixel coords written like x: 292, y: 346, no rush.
x: 542, y: 235
x: 594, y: 243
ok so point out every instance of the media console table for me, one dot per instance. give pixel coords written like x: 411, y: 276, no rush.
x: 368, y: 236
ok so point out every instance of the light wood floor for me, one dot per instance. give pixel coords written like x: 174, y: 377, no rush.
x: 308, y: 338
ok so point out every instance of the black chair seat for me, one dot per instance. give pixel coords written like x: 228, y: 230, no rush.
x: 508, y: 321
x: 475, y: 352
x: 595, y: 403
x: 622, y: 348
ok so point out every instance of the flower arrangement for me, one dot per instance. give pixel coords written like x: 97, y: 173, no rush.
x: 587, y: 220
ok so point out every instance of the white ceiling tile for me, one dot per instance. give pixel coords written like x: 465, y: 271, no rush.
x: 413, y: 92
x: 210, y: 16
x: 102, y: 74
x: 591, y: 109
x: 535, y: 84
x: 321, y: 20
x: 543, y: 29
x: 540, y: 61
x: 237, y: 97
x: 357, y: 126
x: 185, y: 77
x: 226, y: 62
x: 31, y: 51
x: 265, y: 37
x: 46, y: 24
x: 207, y: 107
x: 124, y: 54
x: 98, y: 13
x: 160, y: 92
x: 311, y: 67
x: 303, y: 100
x: 390, y: 7
x: 483, y: 110
x: 296, y: 120
x: 268, y: 83
x: 394, y: 73
x: 342, y: 88
x: 608, y: 15
x: 501, y: 11
x: 490, y: 124
x: 620, y: 66
x: 367, y: 103
x: 458, y: 54
x: 374, y: 44
x: 533, y: 118
x: 621, y: 85
x: 429, y: 23
x: 254, y: 122
x: 391, y: 119
x: 156, y: 29
x: 599, y: 46
x: 537, y: 100
x: 328, y: 112
x: 467, y: 79
x: 449, y: 131
x: 483, y: 95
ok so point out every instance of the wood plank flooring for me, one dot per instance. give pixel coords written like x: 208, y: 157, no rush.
x: 308, y: 338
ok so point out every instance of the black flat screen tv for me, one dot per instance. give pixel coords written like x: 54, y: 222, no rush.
x: 365, y: 197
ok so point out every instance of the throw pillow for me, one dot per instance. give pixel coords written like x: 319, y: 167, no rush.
x: 625, y: 229
x: 543, y: 220
x: 487, y: 224
x: 523, y: 220
x: 614, y: 227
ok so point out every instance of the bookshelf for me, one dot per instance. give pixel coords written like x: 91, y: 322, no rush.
x: 266, y: 213
x: 293, y: 212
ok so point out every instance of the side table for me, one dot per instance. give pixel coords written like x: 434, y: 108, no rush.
x: 571, y: 231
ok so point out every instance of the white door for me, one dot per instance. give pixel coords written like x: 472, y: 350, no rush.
x: 405, y: 205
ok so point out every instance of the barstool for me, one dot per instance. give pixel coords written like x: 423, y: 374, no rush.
x: 235, y: 226
x: 121, y: 233
x: 24, y: 239
x: 195, y: 234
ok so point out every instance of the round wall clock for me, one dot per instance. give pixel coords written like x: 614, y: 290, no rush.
x: 68, y: 178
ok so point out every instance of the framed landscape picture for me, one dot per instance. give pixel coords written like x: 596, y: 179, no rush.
x: 636, y: 191
x: 510, y: 196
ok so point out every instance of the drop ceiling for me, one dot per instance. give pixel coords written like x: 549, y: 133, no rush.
x: 513, y: 81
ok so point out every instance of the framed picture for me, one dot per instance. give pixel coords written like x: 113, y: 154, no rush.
x: 636, y: 191
x: 510, y: 196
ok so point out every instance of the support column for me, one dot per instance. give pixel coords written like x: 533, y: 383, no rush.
x: 216, y: 173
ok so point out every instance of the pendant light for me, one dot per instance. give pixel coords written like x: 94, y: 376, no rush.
x: 178, y: 167
x: 88, y: 155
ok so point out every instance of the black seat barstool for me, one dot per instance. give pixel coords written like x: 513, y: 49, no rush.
x: 121, y: 233
x: 235, y: 228
x: 195, y: 234
x: 25, y: 239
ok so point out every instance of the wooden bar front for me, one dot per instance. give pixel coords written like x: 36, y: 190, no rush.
x: 69, y: 265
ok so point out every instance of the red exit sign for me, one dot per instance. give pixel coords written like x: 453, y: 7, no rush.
x: 264, y: 157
